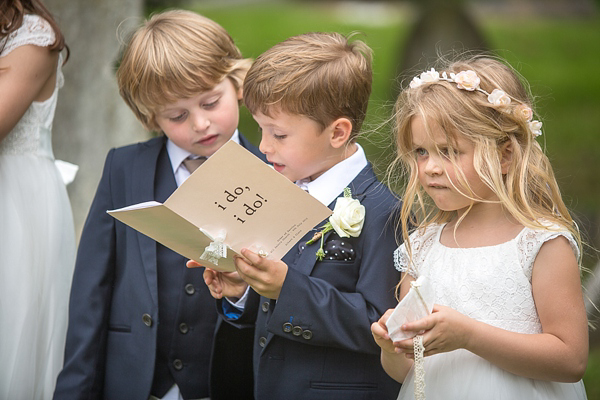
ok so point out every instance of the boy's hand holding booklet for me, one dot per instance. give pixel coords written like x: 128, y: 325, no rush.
x: 232, y: 201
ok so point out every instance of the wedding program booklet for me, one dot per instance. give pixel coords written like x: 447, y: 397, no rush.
x: 235, y: 199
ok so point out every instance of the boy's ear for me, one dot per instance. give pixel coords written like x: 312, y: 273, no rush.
x: 341, y: 129
x: 506, y: 153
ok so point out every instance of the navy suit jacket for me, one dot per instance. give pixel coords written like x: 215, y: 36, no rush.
x: 111, y: 346
x: 315, y: 341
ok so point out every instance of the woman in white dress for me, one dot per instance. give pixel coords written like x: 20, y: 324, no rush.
x: 494, y: 240
x: 37, y: 239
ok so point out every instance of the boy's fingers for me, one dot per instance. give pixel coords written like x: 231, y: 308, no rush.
x: 209, y: 275
x: 192, y: 264
x: 252, y: 257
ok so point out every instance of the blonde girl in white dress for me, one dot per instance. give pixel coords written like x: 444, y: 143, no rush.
x: 37, y: 239
x: 493, y: 238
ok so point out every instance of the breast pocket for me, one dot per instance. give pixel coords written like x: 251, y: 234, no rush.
x: 341, y: 274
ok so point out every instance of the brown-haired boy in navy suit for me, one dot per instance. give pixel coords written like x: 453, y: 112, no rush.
x: 313, y: 309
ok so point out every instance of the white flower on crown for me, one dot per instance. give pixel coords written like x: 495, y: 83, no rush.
x: 416, y: 82
x: 498, y: 98
x: 535, y: 127
x: 524, y: 112
x: 430, y: 76
x: 467, y: 80
x: 425, y: 77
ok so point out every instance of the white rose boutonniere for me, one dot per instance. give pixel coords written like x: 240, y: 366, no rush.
x: 347, y: 220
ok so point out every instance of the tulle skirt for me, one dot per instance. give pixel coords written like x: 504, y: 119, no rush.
x: 37, y: 256
x: 461, y: 375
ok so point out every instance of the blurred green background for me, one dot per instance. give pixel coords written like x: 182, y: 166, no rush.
x: 554, y: 44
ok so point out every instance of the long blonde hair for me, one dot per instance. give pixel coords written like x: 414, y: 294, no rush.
x: 528, y: 191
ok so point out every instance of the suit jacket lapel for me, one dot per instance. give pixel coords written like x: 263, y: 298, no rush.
x: 307, y: 260
x: 144, y: 174
x: 245, y: 143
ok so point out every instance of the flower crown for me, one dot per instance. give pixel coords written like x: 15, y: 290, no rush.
x: 468, y: 80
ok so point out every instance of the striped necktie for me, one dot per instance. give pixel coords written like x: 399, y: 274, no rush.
x: 193, y: 163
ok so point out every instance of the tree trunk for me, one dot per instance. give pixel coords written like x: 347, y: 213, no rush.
x: 90, y: 117
x: 442, y: 27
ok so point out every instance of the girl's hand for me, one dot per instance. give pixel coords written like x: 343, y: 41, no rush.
x: 380, y: 333
x: 444, y: 330
x: 265, y: 276
x: 221, y: 284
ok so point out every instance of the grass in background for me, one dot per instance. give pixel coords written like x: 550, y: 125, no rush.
x: 558, y: 57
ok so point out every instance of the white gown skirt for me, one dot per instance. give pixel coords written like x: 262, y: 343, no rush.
x: 37, y: 255
x: 461, y: 375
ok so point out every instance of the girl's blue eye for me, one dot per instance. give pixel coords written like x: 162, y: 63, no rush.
x: 421, y: 152
x: 279, y: 137
x: 447, y: 151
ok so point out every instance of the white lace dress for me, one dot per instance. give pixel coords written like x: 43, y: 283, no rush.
x: 37, y: 243
x: 490, y: 284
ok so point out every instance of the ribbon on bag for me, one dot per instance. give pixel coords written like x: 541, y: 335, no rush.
x: 417, y: 304
x: 216, y: 249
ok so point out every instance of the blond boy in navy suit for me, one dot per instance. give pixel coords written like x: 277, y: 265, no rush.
x: 141, y: 325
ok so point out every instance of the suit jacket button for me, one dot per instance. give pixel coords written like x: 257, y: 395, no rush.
x: 297, y: 331
x: 265, y: 306
x: 183, y: 328
x: 189, y: 289
x: 177, y: 364
x: 262, y: 341
x: 147, y: 319
x: 307, y: 334
x: 287, y: 327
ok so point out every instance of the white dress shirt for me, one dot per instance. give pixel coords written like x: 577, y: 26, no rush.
x: 332, y: 182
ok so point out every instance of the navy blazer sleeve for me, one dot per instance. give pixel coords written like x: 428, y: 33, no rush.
x: 340, y: 314
x: 90, y: 299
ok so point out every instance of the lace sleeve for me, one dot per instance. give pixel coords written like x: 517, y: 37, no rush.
x: 35, y: 30
x: 421, y: 242
x: 401, y: 261
x: 531, y: 241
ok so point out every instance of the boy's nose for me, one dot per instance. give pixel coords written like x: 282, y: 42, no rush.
x: 264, y: 146
x: 200, y: 123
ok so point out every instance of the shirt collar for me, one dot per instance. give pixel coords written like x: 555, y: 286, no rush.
x: 177, y: 154
x: 332, y: 182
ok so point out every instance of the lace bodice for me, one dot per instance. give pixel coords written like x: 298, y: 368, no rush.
x: 32, y: 134
x: 491, y: 284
